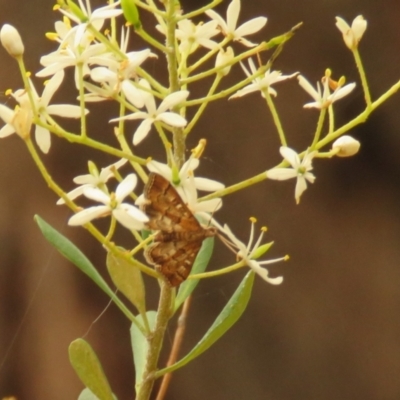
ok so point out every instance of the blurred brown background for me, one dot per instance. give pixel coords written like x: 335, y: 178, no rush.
x: 331, y: 331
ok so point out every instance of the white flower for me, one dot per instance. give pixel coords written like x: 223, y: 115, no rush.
x: 43, y: 109
x: 154, y: 114
x: 249, y: 253
x: 262, y: 84
x: 11, y: 41
x: 229, y: 27
x: 115, y: 76
x: 95, y: 18
x: 346, y: 146
x: 300, y: 170
x: 324, y: 99
x: 68, y: 56
x: 93, y: 180
x: 19, y: 120
x: 126, y: 214
x: 352, y: 35
x: 192, y: 36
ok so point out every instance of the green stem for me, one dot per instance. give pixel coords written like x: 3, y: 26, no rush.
x: 73, y: 138
x: 363, y: 77
x: 82, y: 101
x: 155, y: 341
x: 255, y: 50
x: 178, y: 136
x: 203, y: 105
x: 149, y: 39
x: 221, y: 271
x: 318, y: 131
x: 27, y: 85
x: 199, y: 10
x: 275, y: 117
x: 238, y: 186
x: 207, y: 56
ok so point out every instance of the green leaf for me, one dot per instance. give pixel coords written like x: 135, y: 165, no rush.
x: 87, y: 366
x: 87, y: 394
x: 228, y: 316
x: 140, y: 345
x: 199, y: 266
x: 73, y: 254
x: 128, y: 279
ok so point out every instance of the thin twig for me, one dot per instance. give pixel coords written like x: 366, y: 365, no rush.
x: 176, y: 345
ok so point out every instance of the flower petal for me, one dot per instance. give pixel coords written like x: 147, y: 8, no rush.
x: 52, y: 85
x: 250, y: 27
x: 142, y: 131
x: 43, y: 138
x: 301, y: 186
x: 232, y: 15
x: 65, y: 110
x: 172, y: 100
x: 86, y: 215
x: 172, y: 119
x: 208, y: 185
x: 96, y: 194
x: 125, y: 187
x: 281, y: 174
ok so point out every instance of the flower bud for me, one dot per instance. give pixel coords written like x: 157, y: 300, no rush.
x: 131, y: 13
x: 347, y: 146
x: 352, y: 35
x: 11, y: 41
x: 224, y: 57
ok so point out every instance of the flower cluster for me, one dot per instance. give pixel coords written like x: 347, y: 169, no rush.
x: 106, y: 69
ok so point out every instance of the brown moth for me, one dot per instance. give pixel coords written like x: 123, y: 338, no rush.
x: 179, y: 236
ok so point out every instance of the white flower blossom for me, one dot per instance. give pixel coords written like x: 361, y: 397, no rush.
x: 229, y: 28
x: 43, y: 109
x: 155, y: 114
x: 19, y: 120
x: 93, y: 180
x: 324, y: 99
x: 300, y: 170
x: 261, y: 83
x: 192, y: 36
x: 346, y: 146
x: 126, y: 214
x: 95, y: 18
x: 115, y: 74
x: 248, y: 253
x: 69, y: 55
x: 352, y: 35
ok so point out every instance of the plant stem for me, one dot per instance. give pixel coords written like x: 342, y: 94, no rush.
x: 155, y: 341
x: 176, y: 345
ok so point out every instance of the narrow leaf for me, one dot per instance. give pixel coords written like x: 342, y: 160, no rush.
x: 128, y: 279
x: 228, y: 316
x: 199, y: 266
x: 88, y: 368
x: 73, y: 254
x: 87, y: 394
x: 140, y: 345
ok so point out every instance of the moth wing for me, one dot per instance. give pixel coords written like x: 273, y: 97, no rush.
x: 165, y: 208
x: 173, y: 259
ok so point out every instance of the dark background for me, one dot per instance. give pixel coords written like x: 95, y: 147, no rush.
x: 331, y: 331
